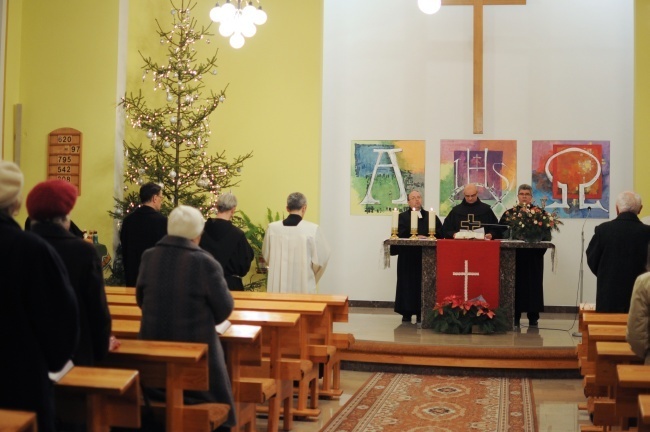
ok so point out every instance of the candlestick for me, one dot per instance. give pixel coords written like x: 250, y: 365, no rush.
x: 395, y: 221
x: 414, y: 220
x: 393, y: 233
x: 432, y: 220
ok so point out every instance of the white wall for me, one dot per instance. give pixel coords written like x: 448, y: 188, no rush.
x: 553, y: 69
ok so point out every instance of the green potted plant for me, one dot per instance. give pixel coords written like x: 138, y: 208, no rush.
x: 255, y: 236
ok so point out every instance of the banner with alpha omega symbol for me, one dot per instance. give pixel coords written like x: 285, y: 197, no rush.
x: 468, y: 268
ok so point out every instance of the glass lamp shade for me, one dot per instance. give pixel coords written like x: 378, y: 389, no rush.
x: 226, y: 28
x: 260, y: 17
x: 248, y: 29
x: 215, y: 13
x: 237, y: 40
x: 429, y: 6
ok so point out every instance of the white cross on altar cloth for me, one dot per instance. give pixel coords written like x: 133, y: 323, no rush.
x: 466, y: 274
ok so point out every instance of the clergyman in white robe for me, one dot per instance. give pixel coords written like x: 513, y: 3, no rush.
x: 296, y: 255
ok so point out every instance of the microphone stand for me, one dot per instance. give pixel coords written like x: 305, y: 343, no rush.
x: 582, y: 260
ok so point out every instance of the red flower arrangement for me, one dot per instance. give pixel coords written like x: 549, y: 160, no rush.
x: 456, y: 315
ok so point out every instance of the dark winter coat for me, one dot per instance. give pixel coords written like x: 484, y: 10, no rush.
x: 39, y: 321
x: 140, y: 231
x: 617, y: 255
x: 85, y: 272
x: 228, y: 245
x: 183, y: 295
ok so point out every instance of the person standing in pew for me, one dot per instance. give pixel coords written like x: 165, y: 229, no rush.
x: 227, y: 243
x: 295, y: 250
x: 141, y: 229
x: 39, y: 318
x: 638, y: 319
x: 49, y: 205
x: 408, y: 294
x: 617, y: 254
x: 183, y: 296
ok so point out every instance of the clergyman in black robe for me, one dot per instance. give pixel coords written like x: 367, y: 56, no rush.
x: 408, y: 294
x: 227, y: 243
x: 471, y: 213
x: 529, y: 268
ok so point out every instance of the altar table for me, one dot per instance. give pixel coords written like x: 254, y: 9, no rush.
x: 506, y: 271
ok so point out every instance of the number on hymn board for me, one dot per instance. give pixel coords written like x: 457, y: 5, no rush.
x: 64, y: 159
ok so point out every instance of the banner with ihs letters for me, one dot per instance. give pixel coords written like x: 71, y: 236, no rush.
x: 64, y: 156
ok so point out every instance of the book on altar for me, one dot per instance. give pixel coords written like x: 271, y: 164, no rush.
x: 56, y: 376
x: 478, y: 234
x: 222, y: 327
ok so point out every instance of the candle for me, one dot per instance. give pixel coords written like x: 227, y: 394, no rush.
x: 414, y: 219
x: 432, y: 221
x: 395, y: 221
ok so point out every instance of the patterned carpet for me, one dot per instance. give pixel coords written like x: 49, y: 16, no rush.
x: 437, y: 403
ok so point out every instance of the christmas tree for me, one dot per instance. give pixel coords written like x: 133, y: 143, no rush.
x: 177, y: 132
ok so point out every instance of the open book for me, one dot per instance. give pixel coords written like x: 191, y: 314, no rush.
x: 56, y: 376
x: 222, y: 327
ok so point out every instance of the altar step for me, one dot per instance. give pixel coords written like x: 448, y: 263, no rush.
x: 542, y: 362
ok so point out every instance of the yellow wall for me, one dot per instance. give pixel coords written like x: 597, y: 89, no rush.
x: 642, y: 101
x: 64, y: 75
x: 63, y: 69
x: 273, y: 105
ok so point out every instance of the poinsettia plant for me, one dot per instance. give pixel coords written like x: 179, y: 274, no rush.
x: 531, y: 223
x: 456, y: 315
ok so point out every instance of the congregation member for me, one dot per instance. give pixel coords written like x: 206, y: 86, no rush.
x: 141, y: 229
x: 227, y: 243
x: 529, y: 273
x: 408, y: 293
x: 638, y: 320
x: 471, y: 209
x: 74, y: 229
x: 39, y: 318
x: 295, y: 250
x: 617, y: 254
x: 49, y: 205
x: 183, y: 295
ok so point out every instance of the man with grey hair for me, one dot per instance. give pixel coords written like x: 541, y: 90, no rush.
x: 295, y: 251
x: 617, y: 254
x: 227, y: 243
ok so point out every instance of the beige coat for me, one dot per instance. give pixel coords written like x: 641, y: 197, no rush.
x: 638, y: 322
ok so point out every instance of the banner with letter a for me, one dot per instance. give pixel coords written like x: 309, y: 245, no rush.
x: 468, y: 268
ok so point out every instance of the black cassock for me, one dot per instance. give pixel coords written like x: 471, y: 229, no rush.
x: 529, y: 276
x: 477, y: 212
x: 228, y: 245
x: 408, y: 294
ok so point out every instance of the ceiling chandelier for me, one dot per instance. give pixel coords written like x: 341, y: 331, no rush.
x: 429, y: 6
x: 238, y: 20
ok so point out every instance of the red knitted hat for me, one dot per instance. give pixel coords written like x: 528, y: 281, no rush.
x: 50, y: 199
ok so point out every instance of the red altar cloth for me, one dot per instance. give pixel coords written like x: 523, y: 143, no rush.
x: 468, y: 268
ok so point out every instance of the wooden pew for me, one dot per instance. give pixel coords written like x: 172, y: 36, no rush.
x: 596, y: 318
x: 125, y: 312
x: 99, y: 397
x: 276, y: 325
x: 608, y: 356
x: 17, y: 421
x: 121, y: 299
x: 125, y: 329
x: 243, y: 347
x: 119, y: 290
x: 313, y: 316
x: 598, y: 333
x: 339, y: 303
x: 633, y: 380
x: 174, y: 366
x: 643, y: 422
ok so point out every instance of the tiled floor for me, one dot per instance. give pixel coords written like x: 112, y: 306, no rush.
x: 556, y: 400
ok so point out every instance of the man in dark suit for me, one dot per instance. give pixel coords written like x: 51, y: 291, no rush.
x: 408, y: 294
x: 38, y: 311
x: 49, y: 205
x: 141, y: 230
x: 617, y: 254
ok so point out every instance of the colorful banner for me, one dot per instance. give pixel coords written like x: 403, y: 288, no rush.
x: 468, y: 268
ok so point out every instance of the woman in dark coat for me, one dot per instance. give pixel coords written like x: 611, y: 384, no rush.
x: 183, y: 295
x: 38, y: 310
x: 49, y: 205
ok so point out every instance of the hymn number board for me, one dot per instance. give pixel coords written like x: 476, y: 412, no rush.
x: 64, y: 156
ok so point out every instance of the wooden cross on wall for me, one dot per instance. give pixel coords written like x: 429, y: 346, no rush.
x: 478, y: 50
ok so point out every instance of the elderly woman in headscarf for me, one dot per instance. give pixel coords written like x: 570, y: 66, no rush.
x: 39, y: 322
